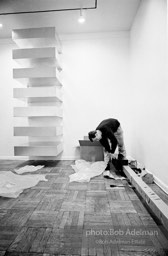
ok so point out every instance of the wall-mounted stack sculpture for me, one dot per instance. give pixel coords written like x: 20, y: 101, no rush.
x: 38, y: 52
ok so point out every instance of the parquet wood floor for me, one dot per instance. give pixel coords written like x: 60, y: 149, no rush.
x: 61, y: 218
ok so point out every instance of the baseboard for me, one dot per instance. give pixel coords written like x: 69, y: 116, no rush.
x: 69, y: 158
x: 157, y: 181
x: 27, y: 158
x: 14, y: 158
x: 161, y: 184
x: 154, y: 202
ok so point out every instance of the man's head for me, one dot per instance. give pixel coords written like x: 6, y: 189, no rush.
x: 95, y: 135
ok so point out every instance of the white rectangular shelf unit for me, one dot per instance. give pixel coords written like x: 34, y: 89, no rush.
x: 38, y: 111
x: 37, y: 76
x: 37, y: 38
x: 39, y: 149
x: 38, y: 131
x: 36, y: 72
x: 39, y: 56
x: 48, y: 56
x: 36, y: 92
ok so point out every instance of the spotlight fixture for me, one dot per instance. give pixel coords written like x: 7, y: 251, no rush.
x: 18, y: 7
x: 81, y: 18
x: 1, y: 25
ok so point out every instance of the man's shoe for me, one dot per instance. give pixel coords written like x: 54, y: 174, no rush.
x: 108, y: 175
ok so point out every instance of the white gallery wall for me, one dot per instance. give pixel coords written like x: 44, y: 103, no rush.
x: 118, y: 74
x: 7, y: 102
x: 6, y: 99
x: 95, y: 86
x: 149, y: 141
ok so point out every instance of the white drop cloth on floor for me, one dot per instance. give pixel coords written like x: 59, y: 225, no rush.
x: 28, y: 168
x: 11, y: 185
x: 84, y: 170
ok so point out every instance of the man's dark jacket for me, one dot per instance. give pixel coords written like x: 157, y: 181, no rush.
x: 108, y: 127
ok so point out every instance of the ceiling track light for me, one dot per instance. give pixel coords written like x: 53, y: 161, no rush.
x: 81, y: 18
x: 55, y: 10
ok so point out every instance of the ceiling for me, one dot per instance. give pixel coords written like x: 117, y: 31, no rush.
x: 109, y: 15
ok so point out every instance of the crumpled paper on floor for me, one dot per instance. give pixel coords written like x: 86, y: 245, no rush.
x: 11, y: 185
x: 84, y: 170
x: 28, y: 168
x: 109, y: 175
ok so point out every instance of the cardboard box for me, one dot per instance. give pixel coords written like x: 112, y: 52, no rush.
x: 91, y: 151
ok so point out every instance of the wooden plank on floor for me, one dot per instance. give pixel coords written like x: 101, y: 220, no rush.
x: 159, y: 192
x: 156, y: 204
x: 96, y: 186
x: 15, y: 217
x: 147, y: 251
x: 51, y: 215
x: 25, y: 254
x: 7, y: 203
x: 139, y: 207
x: 147, y: 220
x: 123, y: 219
x: 15, y: 244
x: 100, y: 219
x: 39, y: 243
x: 135, y: 220
x: 122, y: 206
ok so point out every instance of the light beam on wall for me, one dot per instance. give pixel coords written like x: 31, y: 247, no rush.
x: 81, y: 18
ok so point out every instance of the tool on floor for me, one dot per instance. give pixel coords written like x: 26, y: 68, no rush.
x: 121, y: 186
x: 114, y: 186
x: 109, y: 175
